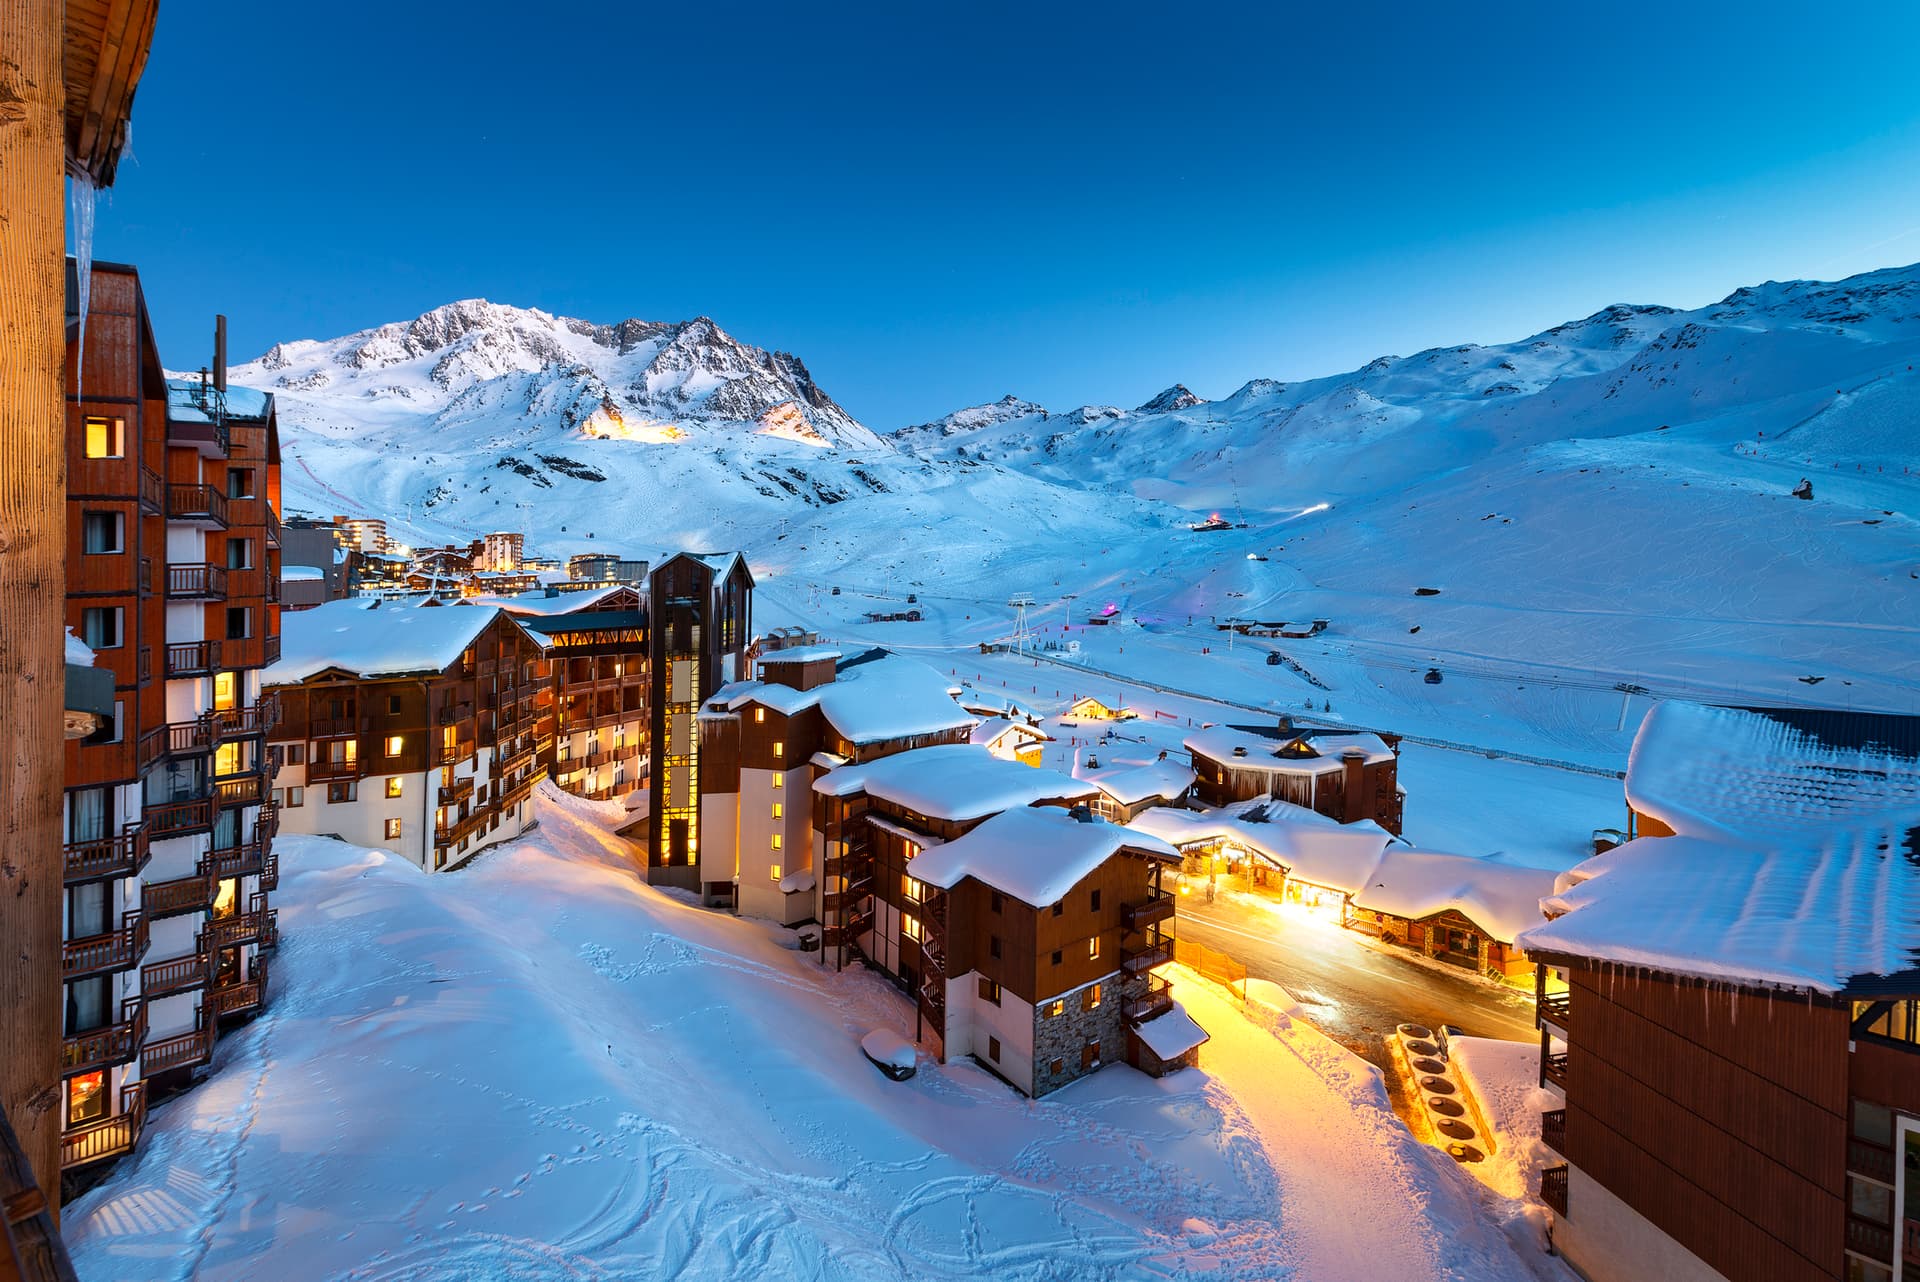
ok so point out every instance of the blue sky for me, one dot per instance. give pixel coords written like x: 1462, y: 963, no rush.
x: 934, y: 205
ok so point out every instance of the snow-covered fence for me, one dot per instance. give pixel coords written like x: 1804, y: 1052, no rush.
x: 1212, y: 964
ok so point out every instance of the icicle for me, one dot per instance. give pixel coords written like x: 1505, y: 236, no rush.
x: 81, y: 198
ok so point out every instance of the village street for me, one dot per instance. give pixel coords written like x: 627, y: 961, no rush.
x: 1351, y: 989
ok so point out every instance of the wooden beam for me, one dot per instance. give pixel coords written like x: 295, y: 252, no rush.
x: 33, y: 564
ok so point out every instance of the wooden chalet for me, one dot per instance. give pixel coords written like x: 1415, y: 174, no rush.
x: 1740, y: 1071
x: 1343, y: 774
x: 409, y: 728
x: 1456, y: 909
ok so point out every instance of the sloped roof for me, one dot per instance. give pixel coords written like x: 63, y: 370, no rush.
x: 952, y: 781
x: 371, y: 639
x: 1502, y: 899
x: 874, y: 696
x: 1262, y: 748
x: 1307, y: 845
x: 1035, y: 855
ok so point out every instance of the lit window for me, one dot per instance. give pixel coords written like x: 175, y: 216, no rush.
x: 759, y: 714
x: 1093, y: 949
x: 352, y: 750
x: 910, y: 927
x: 1056, y: 1008
x: 1090, y: 998
x: 912, y: 888
x: 779, y: 779
x: 779, y: 748
x: 393, y: 829
x: 396, y: 744
x: 87, y: 1092
x: 105, y: 438
x: 779, y: 811
x: 223, y: 690
x: 393, y: 786
x: 990, y: 991
x: 773, y: 871
x: 776, y: 841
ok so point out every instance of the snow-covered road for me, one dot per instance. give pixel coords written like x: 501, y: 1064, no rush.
x: 539, y: 1068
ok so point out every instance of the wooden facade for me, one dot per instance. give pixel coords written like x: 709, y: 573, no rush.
x: 593, y: 723
x: 1345, y: 787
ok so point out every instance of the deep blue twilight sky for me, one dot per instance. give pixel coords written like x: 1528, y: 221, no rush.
x: 936, y: 204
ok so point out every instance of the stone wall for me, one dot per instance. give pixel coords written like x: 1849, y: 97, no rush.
x: 1061, y: 1037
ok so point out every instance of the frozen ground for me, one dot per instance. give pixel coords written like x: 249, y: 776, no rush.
x: 538, y: 1068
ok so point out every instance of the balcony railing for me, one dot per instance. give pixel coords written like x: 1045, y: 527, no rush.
x: 152, y: 746
x: 189, y: 737
x: 1553, y: 1068
x: 1870, y: 1239
x: 270, y: 648
x: 183, y: 1050
x: 1870, y: 1160
x: 198, y: 503
x: 319, y: 771
x: 232, y: 723
x: 192, y: 658
x: 273, y: 527
x: 196, y: 582
x: 114, y: 1044
x: 240, y: 928
x: 270, y: 930
x: 110, y: 1136
x: 1553, y: 1188
x: 241, y: 790
x: 153, y: 491
x: 176, y: 975
x: 1136, y: 960
x: 115, y: 950
x: 456, y: 752
x: 458, y: 791
x: 1553, y: 1129
x: 248, y: 995
x: 173, y: 818
x: 192, y: 893
x: 454, y: 713
x: 1557, y: 1009
x: 1156, y: 907
x: 119, y: 856
x: 1156, y: 1000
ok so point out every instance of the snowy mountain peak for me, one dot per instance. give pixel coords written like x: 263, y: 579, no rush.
x: 473, y: 356
x: 1176, y: 397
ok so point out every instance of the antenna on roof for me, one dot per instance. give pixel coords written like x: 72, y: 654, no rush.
x: 220, y: 353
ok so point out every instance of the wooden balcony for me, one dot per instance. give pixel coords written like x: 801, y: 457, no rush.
x: 235, y: 723
x: 1553, y: 1069
x: 110, y: 1136
x: 192, y: 893
x: 1142, y: 913
x: 319, y: 771
x: 173, y: 818
x: 454, y: 713
x: 119, y: 856
x: 244, y: 997
x: 1870, y: 1160
x: 459, y: 790
x: 1157, y: 999
x: 153, y: 492
x: 236, y: 929
x: 270, y: 930
x: 1136, y: 960
x: 184, y: 1050
x: 152, y: 747
x: 193, y: 658
x: 453, y: 753
x: 1553, y: 1188
x: 114, y: 1044
x: 201, y: 505
x: 1553, y: 1129
x: 101, y: 954
x: 240, y: 790
x: 176, y: 975
x: 196, y: 582
x: 1557, y: 1009
x: 239, y: 861
x: 1875, y: 1240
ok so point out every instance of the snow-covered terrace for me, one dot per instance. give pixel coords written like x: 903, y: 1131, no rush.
x: 954, y: 781
x: 1036, y: 855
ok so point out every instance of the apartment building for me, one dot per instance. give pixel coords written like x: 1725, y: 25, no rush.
x: 700, y: 620
x: 409, y: 728
x: 1738, y: 1043
x: 173, y: 585
x: 763, y: 743
x: 594, y: 723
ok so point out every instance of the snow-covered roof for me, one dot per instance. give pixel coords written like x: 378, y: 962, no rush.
x: 183, y: 401
x: 796, y: 882
x: 1796, y: 859
x: 1173, y: 1034
x: 390, y: 640
x: 78, y: 652
x: 1131, y: 785
x: 1727, y: 771
x: 952, y: 781
x: 994, y: 729
x: 302, y: 574
x: 537, y: 602
x: 874, y: 696
x: 1502, y: 899
x: 1309, y: 846
x: 1035, y: 854
x: 721, y: 562
x: 801, y: 654
x: 1289, y: 752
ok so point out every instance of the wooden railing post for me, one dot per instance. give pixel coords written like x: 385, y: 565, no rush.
x: 33, y: 570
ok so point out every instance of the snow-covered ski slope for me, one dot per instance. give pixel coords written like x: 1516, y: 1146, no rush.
x: 1607, y: 502
x: 539, y: 1068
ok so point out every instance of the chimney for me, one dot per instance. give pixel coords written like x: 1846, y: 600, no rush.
x: 1355, y: 762
x: 220, y: 354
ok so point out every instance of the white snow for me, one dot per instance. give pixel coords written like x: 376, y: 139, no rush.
x: 390, y: 640
x: 1035, y: 854
x: 799, y: 654
x: 889, y: 1047
x: 542, y: 1069
x: 1172, y: 1034
x: 1130, y: 785
x: 873, y: 696
x: 302, y: 574
x: 78, y: 652
x: 1306, y: 845
x: 796, y: 882
x: 952, y: 781
x: 1262, y: 751
x: 183, y: 401
x: 1502, y: 899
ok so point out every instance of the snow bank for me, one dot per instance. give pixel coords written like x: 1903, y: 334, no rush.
x: 885, y: 1046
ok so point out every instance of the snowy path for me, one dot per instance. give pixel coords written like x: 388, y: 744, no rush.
x: 538, y: 1068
